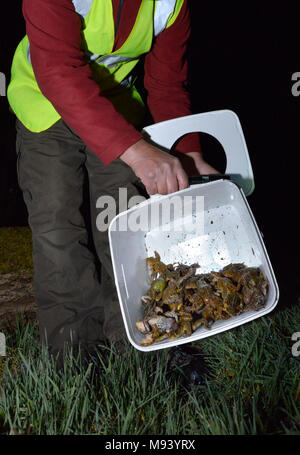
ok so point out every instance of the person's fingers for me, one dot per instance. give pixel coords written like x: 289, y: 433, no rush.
x: 161, y: 186
x: 159, y: 172
x: 172, y: 184
x: 166, y: 177
x: 182, y: 178
x: 151, y: 187
x: 205, y: 168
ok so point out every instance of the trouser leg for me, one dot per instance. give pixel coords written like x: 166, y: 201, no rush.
x: 67, y: 288
x: 106, y: 181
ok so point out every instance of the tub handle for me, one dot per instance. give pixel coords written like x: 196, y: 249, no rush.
x: 224, y: 125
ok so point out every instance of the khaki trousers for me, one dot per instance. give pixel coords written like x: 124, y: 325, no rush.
x: 61, y: 180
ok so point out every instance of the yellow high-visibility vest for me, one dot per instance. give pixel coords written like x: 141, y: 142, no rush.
x: 110, y: 69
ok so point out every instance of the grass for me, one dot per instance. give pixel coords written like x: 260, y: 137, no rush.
x: 15, y: 249
x: 254, y: 387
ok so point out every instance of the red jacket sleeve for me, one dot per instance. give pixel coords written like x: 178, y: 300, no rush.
x: 65, y: 78
x: 166, y: 75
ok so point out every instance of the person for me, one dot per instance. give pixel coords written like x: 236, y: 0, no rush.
x: 79, y: 119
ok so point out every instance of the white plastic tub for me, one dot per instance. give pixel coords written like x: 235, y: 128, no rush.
x: 230, y: 235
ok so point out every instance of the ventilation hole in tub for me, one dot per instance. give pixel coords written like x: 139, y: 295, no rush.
x: 213, y: 153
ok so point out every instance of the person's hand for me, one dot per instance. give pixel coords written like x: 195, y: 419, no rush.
x: 201, y: 165
x: 159, y: 171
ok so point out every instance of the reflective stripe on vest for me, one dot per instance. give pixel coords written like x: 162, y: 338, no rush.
x: 82, y: 7
x: 163, y: 10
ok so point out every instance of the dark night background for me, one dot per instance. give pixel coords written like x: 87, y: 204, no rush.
x: 242, y: 57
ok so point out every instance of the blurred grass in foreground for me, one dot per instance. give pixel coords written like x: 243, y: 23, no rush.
x: 254, y: 388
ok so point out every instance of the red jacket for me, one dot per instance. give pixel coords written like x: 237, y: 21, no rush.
x: 53, y: 28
